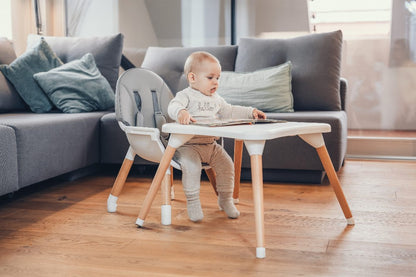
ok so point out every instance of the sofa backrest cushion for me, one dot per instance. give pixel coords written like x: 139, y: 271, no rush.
x: 9, y: 98
x: 106, y: 51
x: 168, y: 62
x: 39, y: 58
x: 316, y: 64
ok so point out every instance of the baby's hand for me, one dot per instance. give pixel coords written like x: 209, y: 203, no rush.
x: 184, y: 117
x: 257, y: 114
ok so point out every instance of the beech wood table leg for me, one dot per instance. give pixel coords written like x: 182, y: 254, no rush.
x: 257, y: 179
x: 317, y: 141
x: 255, y: 149
x: 334, y: 181
x: 120, y: 181
x: 157, y: 180
x: 238, y: 154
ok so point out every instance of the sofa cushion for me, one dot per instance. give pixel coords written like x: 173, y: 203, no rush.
x: 10, y: 100
x: 316, y: 61
x: 8, y: 160
x: 51, y: 144
x: 106, y: 51
x: 77, y: 86
x: 168, y: 62
x: 266, y: 89
x: 7, y: 54
x: 20, y: 72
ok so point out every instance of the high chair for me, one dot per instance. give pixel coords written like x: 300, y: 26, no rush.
x: 141, y: 102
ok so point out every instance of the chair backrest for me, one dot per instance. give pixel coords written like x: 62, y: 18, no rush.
x: 142, y: 99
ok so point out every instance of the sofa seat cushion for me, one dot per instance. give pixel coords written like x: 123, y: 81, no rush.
x: 8, y: 160
x: 52, y: 144
x: 316, y: 61
x: 168, y: 62
x: 106, y: 51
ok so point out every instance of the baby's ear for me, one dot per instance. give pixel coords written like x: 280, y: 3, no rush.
x: 191, y: 77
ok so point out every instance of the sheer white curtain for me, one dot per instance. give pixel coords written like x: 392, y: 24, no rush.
x: 76, y: 14
x: 204, y: 22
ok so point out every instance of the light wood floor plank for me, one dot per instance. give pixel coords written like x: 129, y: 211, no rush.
x: 64, y: 229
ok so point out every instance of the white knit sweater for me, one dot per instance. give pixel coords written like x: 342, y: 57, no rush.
x: 200, y: 105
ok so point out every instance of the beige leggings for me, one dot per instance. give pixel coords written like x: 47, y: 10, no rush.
x: 191, y: 157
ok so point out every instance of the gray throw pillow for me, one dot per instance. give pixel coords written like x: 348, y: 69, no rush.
x: 106, y: 51
x: 316, y: 61
x: 267, y: 89
x: 20, y: 72
x: 77, y: 86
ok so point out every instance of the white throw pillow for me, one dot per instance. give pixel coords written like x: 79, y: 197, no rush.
x: 268, y: 89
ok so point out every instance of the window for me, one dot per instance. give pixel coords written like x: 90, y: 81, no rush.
x: 354, y: 17
x: 380, y: 66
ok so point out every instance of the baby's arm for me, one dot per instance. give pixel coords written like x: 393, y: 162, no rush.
x: 177, y: 109
x: 184, y: 117
x: 234, y: 111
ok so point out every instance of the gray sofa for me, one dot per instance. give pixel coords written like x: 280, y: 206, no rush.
x: 319, y: 96
x: 37, y: 147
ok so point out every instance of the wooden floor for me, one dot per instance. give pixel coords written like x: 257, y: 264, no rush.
x: 64, y: 230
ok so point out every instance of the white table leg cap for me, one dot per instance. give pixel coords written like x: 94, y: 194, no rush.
x: 139, y: 222
x: 166, y: 218
x: 260, y: 252
x: 112, y: 203
x: 350, y: 221
x: 236, y: 200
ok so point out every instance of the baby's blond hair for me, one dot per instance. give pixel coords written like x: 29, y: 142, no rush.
x: 195, y: 59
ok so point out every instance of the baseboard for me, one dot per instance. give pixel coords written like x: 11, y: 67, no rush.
x: 400, y: 148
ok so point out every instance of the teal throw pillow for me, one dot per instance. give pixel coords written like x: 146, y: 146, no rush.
x: 77, y: 86
x: 20, y: 72
x: 269, y: 89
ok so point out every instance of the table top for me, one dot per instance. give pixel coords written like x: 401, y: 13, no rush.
x: 250, y: 132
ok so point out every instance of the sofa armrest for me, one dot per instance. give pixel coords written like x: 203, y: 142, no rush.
x: 343, y: 92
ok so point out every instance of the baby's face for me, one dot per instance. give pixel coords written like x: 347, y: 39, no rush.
x: 205, y: 78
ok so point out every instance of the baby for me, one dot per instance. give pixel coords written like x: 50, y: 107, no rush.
x: 199, y: 100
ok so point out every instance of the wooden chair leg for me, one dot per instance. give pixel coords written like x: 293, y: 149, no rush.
x: 166, y: 210
x: 212, y: 178
x: 238, y: 154
x: 172, y: 188
x: 121, y: 177
x: 120, y: 181
x: 154, y: 187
